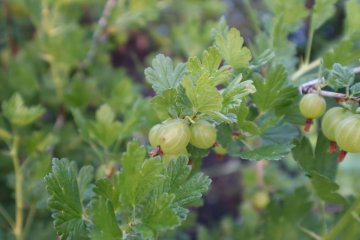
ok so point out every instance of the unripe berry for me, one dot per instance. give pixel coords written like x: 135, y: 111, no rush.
x: 203, y: 134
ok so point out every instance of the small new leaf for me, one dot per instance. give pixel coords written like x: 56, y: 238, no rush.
x: 235, y: 93
x: 18, y: 114
x: 162, y: 75
x: 105, y: 129
x: 340, y: 77
x: 62, y: 186
x: 204, y: 98
x: 355, y: 89
x: 231, y: 48
x: 321, y: 12
x: 209, y: 65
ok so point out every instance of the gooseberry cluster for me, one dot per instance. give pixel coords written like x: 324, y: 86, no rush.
x: 339, y: 125
x: 173, y: 136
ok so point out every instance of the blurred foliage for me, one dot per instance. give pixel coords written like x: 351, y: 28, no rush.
x: 73, y: 88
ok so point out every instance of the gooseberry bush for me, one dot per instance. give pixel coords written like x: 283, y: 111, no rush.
x: 89, y: 153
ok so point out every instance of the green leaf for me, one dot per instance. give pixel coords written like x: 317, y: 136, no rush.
x: 285, y: 50
x: 320, y: 160
x: 355, y: 89
x: 103, y: 218
x: 268, y: 92
x: 292, y: 207
x: 187, y: 190
x: 135, y: 117
x: 81, y: 123
x: 268, y: 152
x: 219, y: 118
x: 40, y: 141
x: 138, y: 177
x: 18, y: 114
x: 326, y: 189
x: 85, y: 177
x: 105, y: 129
x: 78, y: 94
x: 236, y: 92
x: 291, y: 11
x: 162, y: 75
x: 345, y: 52
x: 5, y: 135
x: 352, y: 19
x: 159, y: 214
x: 282, y: 215
x: 340, y: 76
x: 62, y: 186
x: 123, y: 93
x: 263, y: 58
x: 209, y: 65
x: 231, y: 48
x: 166, y: 210
x: 321, y: 12
x: 165, y: 104
x: 225, y: 138
x: 281, y: 132
x: 203, y: 97
x: 183, y: 102
x: 108, y: 189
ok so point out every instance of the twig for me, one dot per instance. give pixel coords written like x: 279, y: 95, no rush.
x: 98, y: 34
x: 310, y: 86
x: 59, y: 123
x: 304, y: 68
x: 355, y: 216
x: 343, y: 222
x: 259, y: 168
x: 310, y: 233
x: 19, y: 197
x: 29, y: 219
x: 6, y: 216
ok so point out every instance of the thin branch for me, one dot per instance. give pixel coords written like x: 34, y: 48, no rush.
x: 310, y: 233
x: 259, y: 168
x: 29, y: 219
x: 343, y: 222
x: 310, y: 86
x: 304, y: 68
x: 98, y: 34
x: 6, y: 216
x: 356, y: 216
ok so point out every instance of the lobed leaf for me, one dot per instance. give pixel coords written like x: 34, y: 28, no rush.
x: 63, y: 188
x: 103, y: 218
x: 162, y: 75
x: 340, y: 76
x: 18, y: 114
x: 231, y: 48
